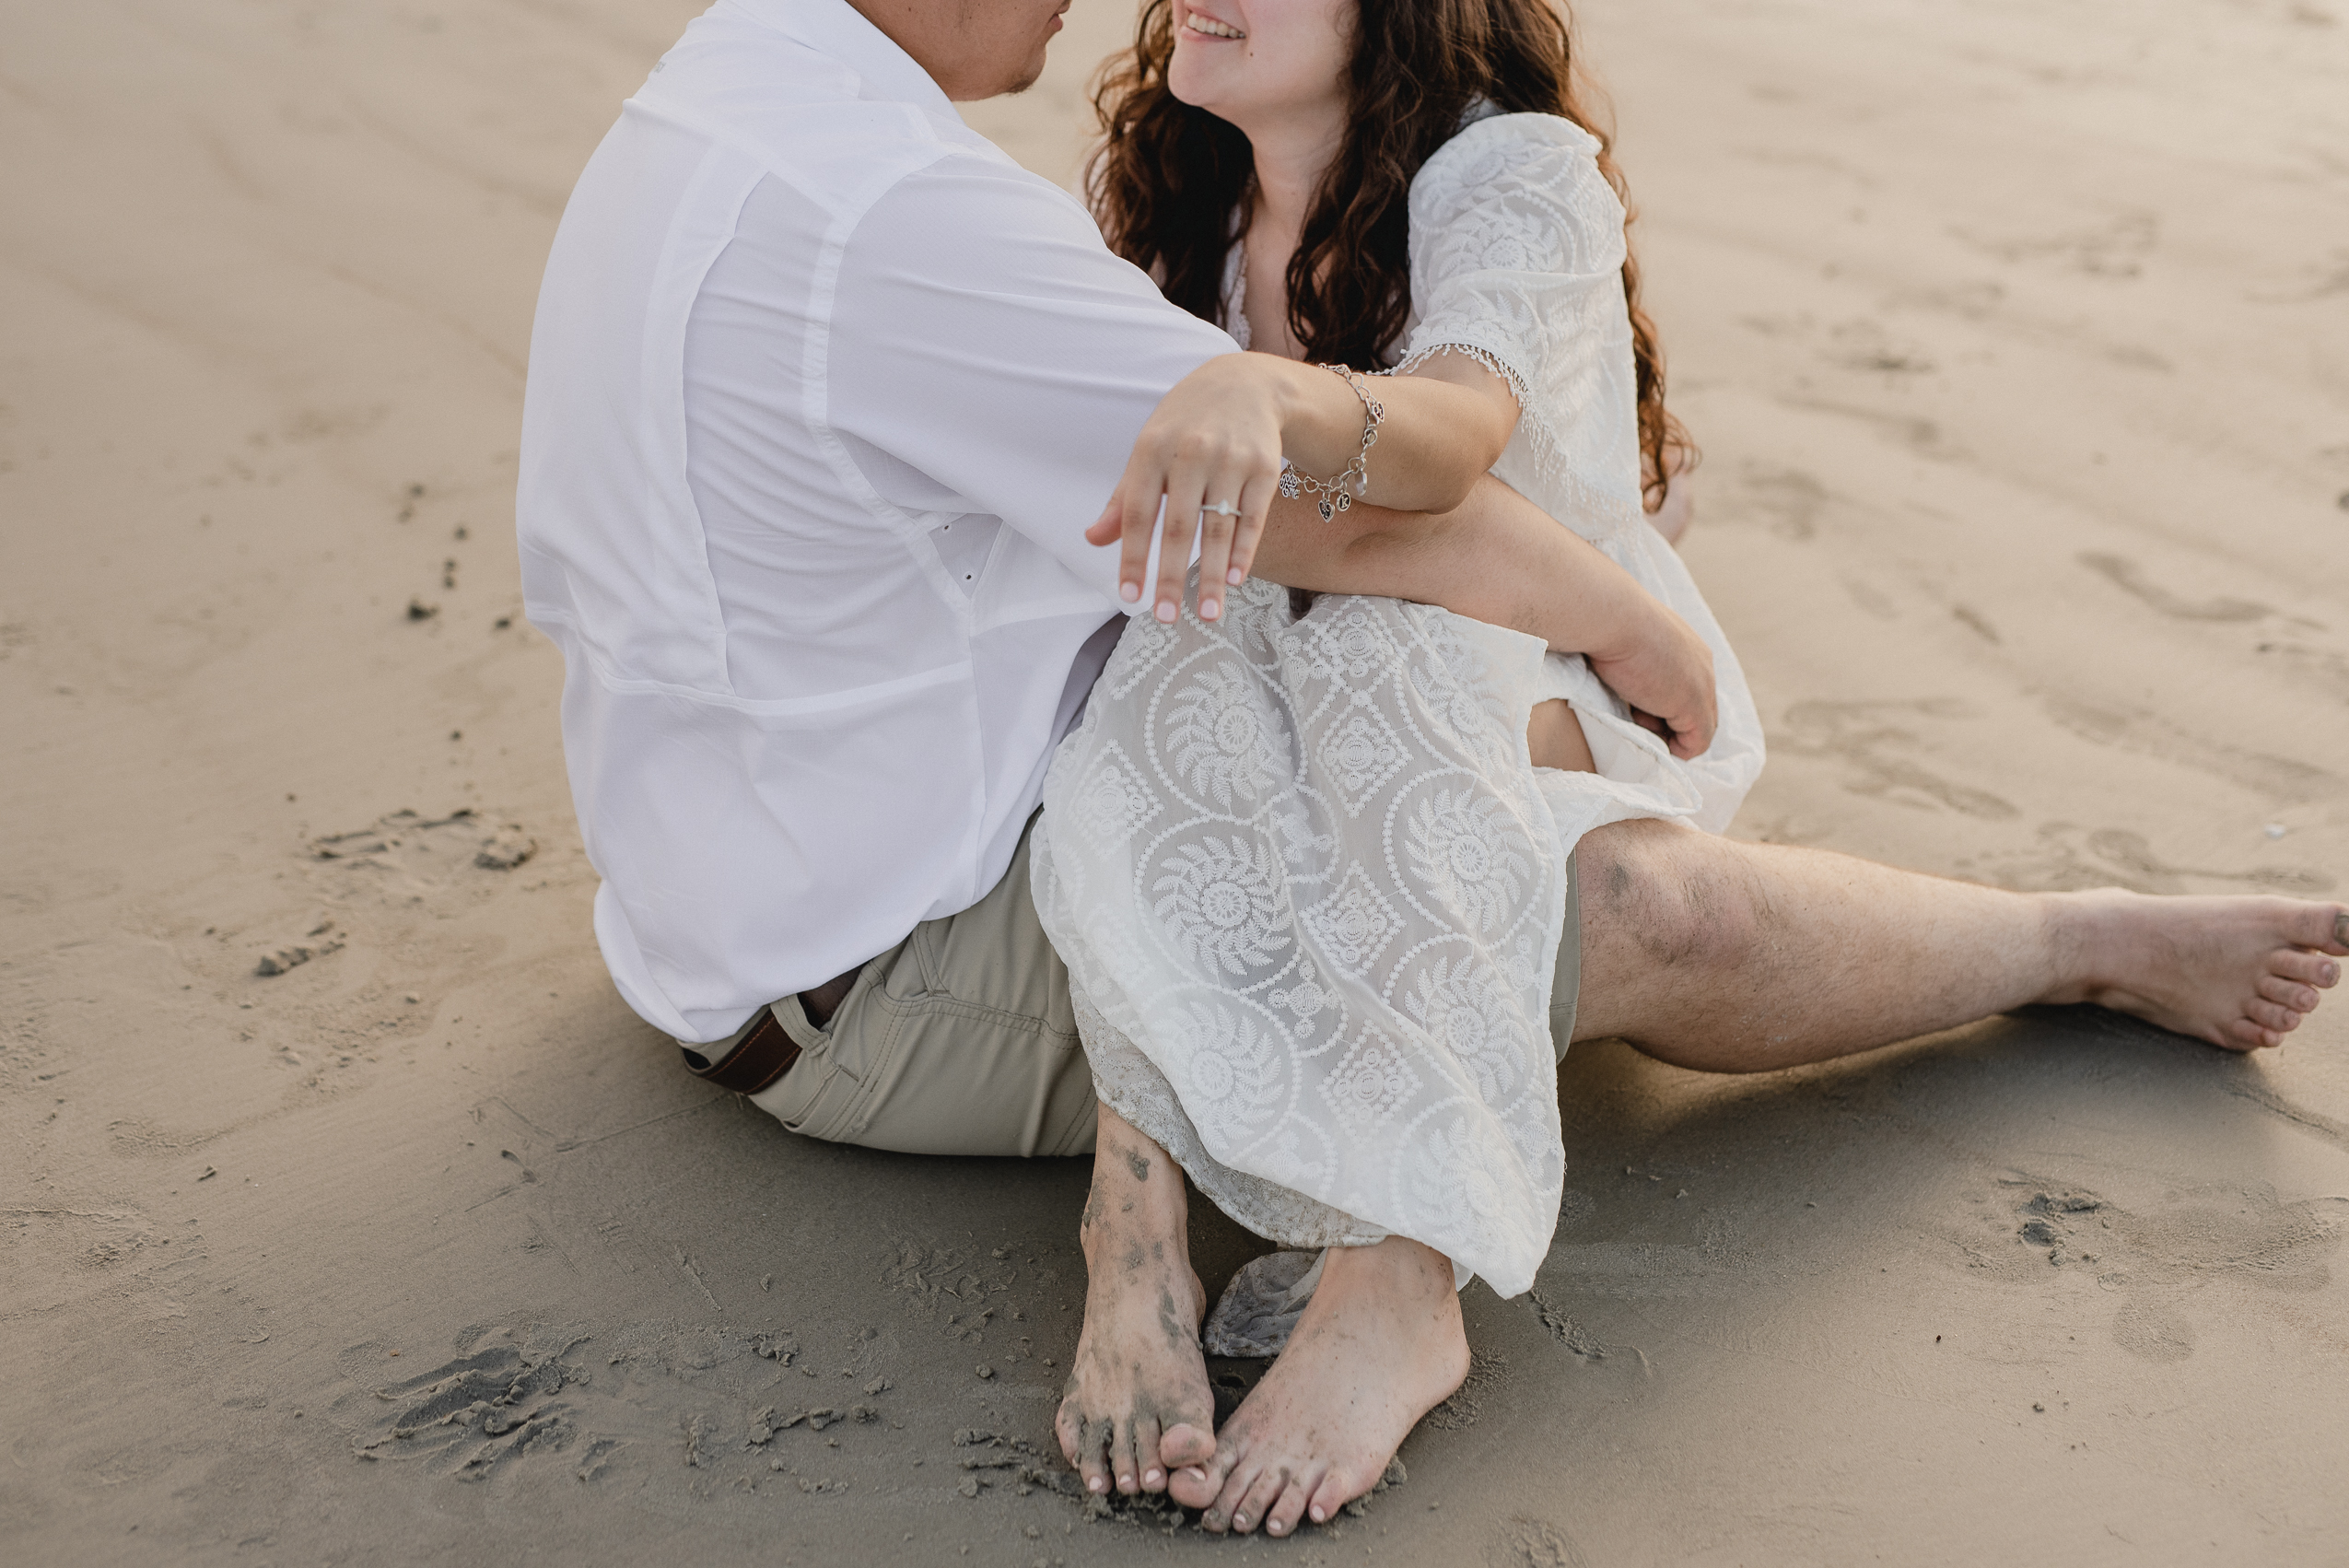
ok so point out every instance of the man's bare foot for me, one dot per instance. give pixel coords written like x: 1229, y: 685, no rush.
x: 1378, y: 1346
x: 2236, y: 972
x: 1136, y: 1404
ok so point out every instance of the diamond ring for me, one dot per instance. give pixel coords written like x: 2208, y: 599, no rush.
x: 1222, y: 509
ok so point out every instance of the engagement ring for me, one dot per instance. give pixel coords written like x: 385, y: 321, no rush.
x: 1222, y: 509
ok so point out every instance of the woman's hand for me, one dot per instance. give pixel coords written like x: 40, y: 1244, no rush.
x: 1664, y: 671
x: 1211, y: 453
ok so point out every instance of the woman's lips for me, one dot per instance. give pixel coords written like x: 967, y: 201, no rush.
x: 1203, y: 26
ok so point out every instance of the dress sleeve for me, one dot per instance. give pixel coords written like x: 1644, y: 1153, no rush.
x: 1516, y: 260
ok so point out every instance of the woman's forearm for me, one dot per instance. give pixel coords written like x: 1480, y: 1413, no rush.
x: 1496, y: 557
x: 1209, y: 456
x: 1500, y: 559
x: 1444, y: 426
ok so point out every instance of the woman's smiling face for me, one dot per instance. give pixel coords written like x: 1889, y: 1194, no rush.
x: 1256, y: 61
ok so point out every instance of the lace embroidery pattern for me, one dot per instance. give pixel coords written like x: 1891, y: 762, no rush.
x: 1516, y: 254
x: 1302, y: 972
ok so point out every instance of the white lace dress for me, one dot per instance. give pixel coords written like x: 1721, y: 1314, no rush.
x: 1307, y: 882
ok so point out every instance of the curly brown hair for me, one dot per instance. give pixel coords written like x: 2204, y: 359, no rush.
x: 1171, y: 182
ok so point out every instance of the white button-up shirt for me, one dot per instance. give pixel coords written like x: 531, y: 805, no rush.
x: 823, y: 391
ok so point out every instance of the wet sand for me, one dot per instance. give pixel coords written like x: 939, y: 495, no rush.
x: 2017, y: 340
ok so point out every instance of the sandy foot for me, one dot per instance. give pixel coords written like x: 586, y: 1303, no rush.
x: 1378, y: 1347
x: 2239, y: 973
x: 1137, y: 1403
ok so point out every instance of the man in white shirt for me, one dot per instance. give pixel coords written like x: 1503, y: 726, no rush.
x: 823, y: 391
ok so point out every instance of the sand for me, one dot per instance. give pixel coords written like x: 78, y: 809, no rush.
x: 2018, y: 339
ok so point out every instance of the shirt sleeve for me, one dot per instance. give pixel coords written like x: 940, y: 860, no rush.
x: 984, y: 337
x: 1516, y: 259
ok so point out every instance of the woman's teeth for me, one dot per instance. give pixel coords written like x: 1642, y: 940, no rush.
x: 1210, y: 27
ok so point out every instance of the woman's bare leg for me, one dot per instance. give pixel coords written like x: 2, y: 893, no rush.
x: 1136, y: 1404
x: 1378, y: 1346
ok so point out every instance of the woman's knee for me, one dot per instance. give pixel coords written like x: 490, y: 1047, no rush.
x: 1672, y: 900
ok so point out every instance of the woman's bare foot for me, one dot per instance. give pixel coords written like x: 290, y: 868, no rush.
x: 2238, y: 972
x: 1136, y: 1404
x: 1378, y: 1346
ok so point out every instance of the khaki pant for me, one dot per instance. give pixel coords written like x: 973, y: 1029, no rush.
x: 961, y: 1039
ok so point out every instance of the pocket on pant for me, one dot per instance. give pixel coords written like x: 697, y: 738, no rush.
x: 813, y: 1096
x: 965, y: 1080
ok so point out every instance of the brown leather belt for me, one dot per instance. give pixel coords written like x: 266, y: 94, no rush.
x: 758, y: 1059
x: 767, y: 1051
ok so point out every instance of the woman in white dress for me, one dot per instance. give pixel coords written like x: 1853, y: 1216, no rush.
x: 1302, y: 856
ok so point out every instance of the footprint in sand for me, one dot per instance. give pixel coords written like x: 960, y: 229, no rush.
x: 1864, y: 344
x: 718, y: 1402
x: 2280, y: 778
x: 2127, y: 576
x: 2070, y: 858
x: 2319, y: 666
x: 404, y: 857
x: 1525, y: 1542
x: 1863, y: 736
x: 2156, y: 1257
x: 2116, y: 248
x: 1785, y: 500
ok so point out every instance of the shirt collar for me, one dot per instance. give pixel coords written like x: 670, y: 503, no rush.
x: 837, y: 30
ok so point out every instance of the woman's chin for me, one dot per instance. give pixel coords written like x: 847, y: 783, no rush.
x: 1197, y: 82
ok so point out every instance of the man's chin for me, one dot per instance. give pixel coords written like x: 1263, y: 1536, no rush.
x: 1025, y: 77
x: 1030, y: 74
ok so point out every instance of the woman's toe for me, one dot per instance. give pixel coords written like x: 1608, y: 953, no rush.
x: 2309, y: 968
x: 2245, y: 1035
x: 1256, y: 1506
x: 2268, y: 1015
x: 1327, y: 1498
x: 1287, y: 1509
x: 2288, y: 993
x: 1126, y: 1454
x: 1185, y: 1445
x: 1093, y: 1457
x: 1195, y: 1486
x: 1229, y: 1509
x: 2329, y: 930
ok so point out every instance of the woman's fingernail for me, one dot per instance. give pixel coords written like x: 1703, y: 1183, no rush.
x: 1129, y: 591
x: 1210, y: 609
x: 1235, y: 577
x: 1166, y: 612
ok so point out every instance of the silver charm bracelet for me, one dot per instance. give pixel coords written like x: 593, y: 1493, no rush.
x: 1337, y: 495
